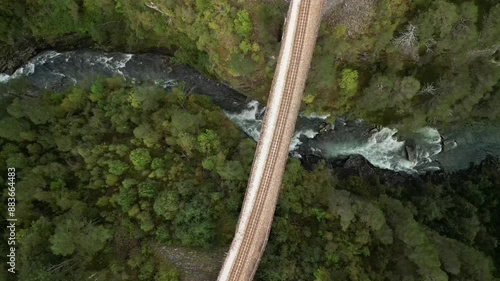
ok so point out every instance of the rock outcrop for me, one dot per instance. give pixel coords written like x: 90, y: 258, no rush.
x: 194, y: 264
x: 411, y: 150
x: 448, y: 145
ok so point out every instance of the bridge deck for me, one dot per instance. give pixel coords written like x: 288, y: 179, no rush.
x: 272, y: 150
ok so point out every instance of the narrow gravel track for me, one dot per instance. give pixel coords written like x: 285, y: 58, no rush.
x: 272, y: 150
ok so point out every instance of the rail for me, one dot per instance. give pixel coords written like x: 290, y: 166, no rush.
x: 272, y: 150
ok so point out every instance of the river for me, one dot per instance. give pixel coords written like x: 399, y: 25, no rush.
x: 426, y: 150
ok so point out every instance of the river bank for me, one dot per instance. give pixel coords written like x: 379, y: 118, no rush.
x: 13, y: 57
x: 423, y: 151
x: 313, y: 204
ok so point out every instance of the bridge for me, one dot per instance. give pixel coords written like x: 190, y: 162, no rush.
x: 252, y: 232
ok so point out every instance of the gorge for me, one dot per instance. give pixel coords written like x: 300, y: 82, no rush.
x: 425, y: 149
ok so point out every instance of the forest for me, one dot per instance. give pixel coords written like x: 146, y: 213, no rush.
x: 108, y: 172
x: 392, y: 62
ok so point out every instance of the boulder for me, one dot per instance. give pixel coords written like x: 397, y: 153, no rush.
x: 375, y: 129
x: 448, y: 145
x: 395, y: 135
x: 411, y: 150
x: 325, y: 127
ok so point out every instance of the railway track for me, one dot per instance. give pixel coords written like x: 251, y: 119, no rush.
x: 272, y: 150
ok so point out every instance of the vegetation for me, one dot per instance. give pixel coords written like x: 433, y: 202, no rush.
x: 104, y: 179
x: 94, y: 198
x: 109, y: 173
x: 359, y: 228
x: 416, y: 63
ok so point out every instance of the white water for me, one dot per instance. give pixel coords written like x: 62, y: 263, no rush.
x: 4, y: 78
x: 380, y: 149
x: 295, y: 143
x: 248, y: 120
x: 384, y: 150
x: 29, y: 67
x: 114, y: 64
x: 428, y: 143
x: 315, y: 116
x: 170, y: 83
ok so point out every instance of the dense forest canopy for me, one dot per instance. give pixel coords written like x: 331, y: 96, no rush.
x: 398, y: 62
x: 109, y: 173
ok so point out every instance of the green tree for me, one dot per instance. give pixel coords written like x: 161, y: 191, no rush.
x: 12, y: 129
x: 167, y: 205
x: 117, y: 167
x: 243, y: 23
x: 140, y: 158
x: 348, y: 87
x: 148, y: 189
x: 147, y: 134
x: 75, y: 100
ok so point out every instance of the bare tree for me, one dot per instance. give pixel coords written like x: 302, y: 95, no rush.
x: 428, y: 89
x: 381, y: 86
x: 429, y: 44
x: 481, y: 53
x: 63, y: 266
x: 462, y: 27
x: 408, y: 41
x: 153, y: 6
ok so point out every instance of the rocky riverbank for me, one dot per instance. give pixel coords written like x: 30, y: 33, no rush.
x: 13, y: 57
x: 424, y: 150
x: 357, y: 166
x: 349, y: 147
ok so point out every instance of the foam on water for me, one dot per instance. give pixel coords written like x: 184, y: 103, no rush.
x: 315, y: 116
x: 44, y: 57
x: 30, y: 66
x: 123, y: 62
x: 4, y: 78
x: 428, y: 144
x: 112, y: 63
x: 295, y: 143
x: 380, y: 149
x: 247, y: 119
x: 103, y: 59
x: 170, y: 83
